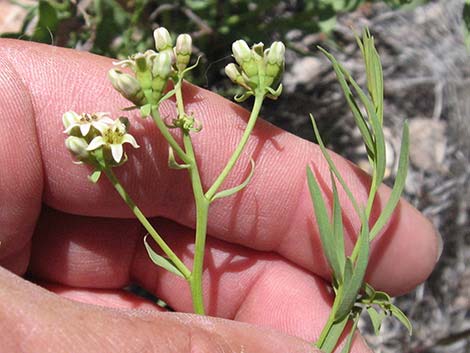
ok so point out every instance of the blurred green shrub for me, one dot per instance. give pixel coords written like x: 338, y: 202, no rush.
x: 116, y: 28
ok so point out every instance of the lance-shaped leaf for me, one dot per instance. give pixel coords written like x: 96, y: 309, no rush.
x: 358, y: 117
x: 327, y: 237
x: 338, y: 232
x: 354, y: 283
x: 395, y: 311
x: 348, y: 344
x: 161, y: 261
x: 95, y: 176
x: 172, y: 163
x: 334, y: 334
x: 398, y: 186
x: 377, y: 131
x: 332, y: 166
x: 376, y: 318
x: 231, y: 191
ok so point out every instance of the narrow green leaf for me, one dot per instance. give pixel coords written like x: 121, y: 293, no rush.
x: 333, y: 336
x: 333, y: 168
x: 95, y: 176
x: 382, y: 298
x: 338, y: 229
x: 145, y: 110
x: 353, y: 284
x: 358, y: 117
x: 376, y: 318
x: 398, y: 185
x: 172, y: 163
x: 161, y: 261
x: 326, y: 232
x: 369, y: 291
x: 378, y: 135
x: 231, y: 191
x: 395, y: 311
x: 348, y: 344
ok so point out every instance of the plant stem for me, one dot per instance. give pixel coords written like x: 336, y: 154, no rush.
x: 143, y: 220
x: 202, y: 208
x: 166, y: 134
x: 259, y: 97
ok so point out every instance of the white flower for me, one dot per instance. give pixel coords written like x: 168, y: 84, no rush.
x: 113, y: 137
x: 85, y: 122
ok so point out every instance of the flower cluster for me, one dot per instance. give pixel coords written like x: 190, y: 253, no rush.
x: 258, y: 70
x: 96, y: 139
x: 152, y: 69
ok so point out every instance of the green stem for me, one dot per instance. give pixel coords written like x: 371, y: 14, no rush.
x: 140, y: 216
x: 169, y: 137
x: 202, y: 209
x: 259, y: 97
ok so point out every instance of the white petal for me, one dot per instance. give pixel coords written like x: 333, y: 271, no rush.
x: 97, y: 142
x: 85, y: 129
x: 130, y: 139
x: 100, y: 126
x: 117, y: 151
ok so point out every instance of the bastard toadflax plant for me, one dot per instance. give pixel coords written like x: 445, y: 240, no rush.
x: 99, y: 141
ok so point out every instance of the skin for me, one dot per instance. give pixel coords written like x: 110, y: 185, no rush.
x: 265, y: 276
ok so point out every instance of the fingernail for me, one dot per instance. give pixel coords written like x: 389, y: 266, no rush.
x: 440, y: 245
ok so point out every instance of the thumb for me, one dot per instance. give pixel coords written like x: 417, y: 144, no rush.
x: 34, y: 320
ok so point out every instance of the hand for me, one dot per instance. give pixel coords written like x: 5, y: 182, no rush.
x: 263, y: 265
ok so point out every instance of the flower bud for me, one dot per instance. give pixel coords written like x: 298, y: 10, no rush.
x: 276, y: 53
x: 183, y: 51
x: 162, y: 65
x: 70, y: 118
x: 128, y: 86
x: 162, y: 39
x: 78, y: 147
x: 241, y: 51
x: 161, y: 71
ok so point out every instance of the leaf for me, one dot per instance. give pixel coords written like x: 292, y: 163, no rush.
x: 333, y: 168
x: 95, y: 176
x: 338, y: 232
x: 358, y: 117
x: 395, y: 311
x: 378, y: 136
x: 172, y: 163
x: 47, y: 23
x: 332, y: 338
x: 353, y: 284
x: 376, y: 318
x: 398, y: 185
x: 231, y: 191
x: 161, y: 261
x: 347, y: 346
x: 146, y: 110
x: 466, y: 23
x: 326, y: 232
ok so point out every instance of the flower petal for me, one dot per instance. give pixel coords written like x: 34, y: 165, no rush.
x: 117, y: 151
x: 85, y: 129
x: 130, y: 139
x: 97, y: 142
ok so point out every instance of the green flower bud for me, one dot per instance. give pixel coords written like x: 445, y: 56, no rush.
x: 128, y: 86
x: 241, y: 52
x: 162, y: 39
x: 276, y: 53
x: 233, y: 73
x: 161, y: 70
x: 183, y: 51
x: 78, y: 147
